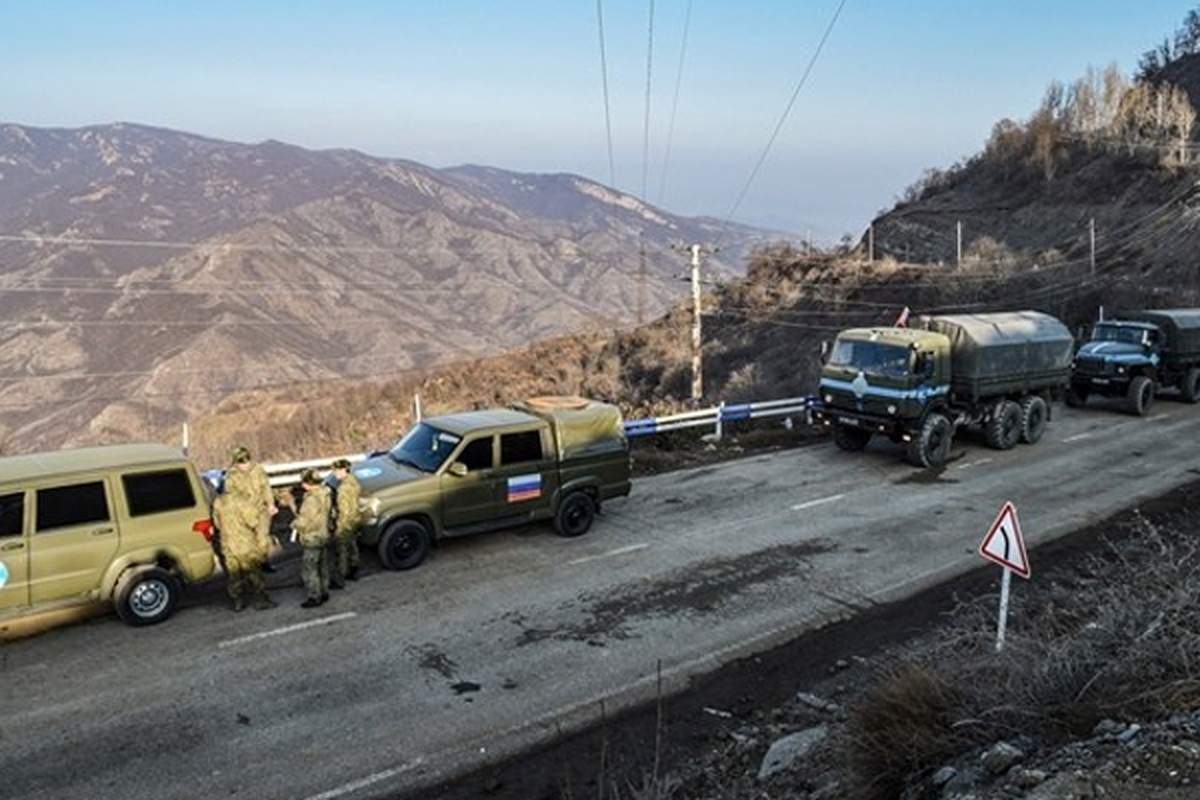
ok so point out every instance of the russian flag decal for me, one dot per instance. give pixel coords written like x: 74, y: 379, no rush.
x: 524, y: 487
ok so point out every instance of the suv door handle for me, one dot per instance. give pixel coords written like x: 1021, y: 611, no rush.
x: 17, y: 545
x: 103, y: 531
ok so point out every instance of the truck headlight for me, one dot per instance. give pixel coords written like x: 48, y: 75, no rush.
x: 829, y: 399
x: 891, y: 410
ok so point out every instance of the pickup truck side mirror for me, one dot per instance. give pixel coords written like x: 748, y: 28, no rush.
x: 458, y: 469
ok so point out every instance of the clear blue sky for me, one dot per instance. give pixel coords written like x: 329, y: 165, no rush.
x: 899, y: 86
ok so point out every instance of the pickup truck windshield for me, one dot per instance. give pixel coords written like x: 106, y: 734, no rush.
x: 872, y: 357
x: 425, y: 447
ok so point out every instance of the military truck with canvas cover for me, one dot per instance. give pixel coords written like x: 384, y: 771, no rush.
x: 918, y: 385
x: 1137, y: 354
x: 550, y: 458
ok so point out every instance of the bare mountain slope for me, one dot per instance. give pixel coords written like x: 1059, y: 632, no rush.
x: 145, y: 273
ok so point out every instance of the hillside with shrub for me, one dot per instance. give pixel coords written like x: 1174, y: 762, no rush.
x: 1090, y: 203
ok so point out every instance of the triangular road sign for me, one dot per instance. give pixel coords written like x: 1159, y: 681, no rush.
x: 1004, y: 544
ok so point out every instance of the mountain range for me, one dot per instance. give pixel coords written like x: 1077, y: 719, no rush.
x: 145, y: 273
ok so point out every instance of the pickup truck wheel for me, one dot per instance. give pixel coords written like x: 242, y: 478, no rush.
x: 1190, y: 385
x: 1140, y: 396
x: 1003, y: 430
x: 575, y: 514
x: 1034, y: 413
x: 146, y: 595
x: 404, y: 544
x: 850, y: 438
x: 931, y: 447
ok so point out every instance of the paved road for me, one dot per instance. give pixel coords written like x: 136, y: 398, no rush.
x: 497, y: 642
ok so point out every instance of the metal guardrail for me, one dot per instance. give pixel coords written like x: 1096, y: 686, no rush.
x: 716, y: 418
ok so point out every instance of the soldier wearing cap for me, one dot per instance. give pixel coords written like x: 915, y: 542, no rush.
x: 249, y: 479
x: 312, y: 529
x: 345, y: 535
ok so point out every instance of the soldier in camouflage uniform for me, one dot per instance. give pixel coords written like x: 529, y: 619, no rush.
x: 250, y: 479
x: 234, y: 515
x: 345, y: 535
x: 312, y: 529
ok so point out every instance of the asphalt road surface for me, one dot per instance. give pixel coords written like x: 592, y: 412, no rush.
x: 507, y: 640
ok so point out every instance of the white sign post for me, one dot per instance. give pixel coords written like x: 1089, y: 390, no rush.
x: 1005, y: 546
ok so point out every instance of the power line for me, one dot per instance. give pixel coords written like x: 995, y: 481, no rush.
x: 786, y: 111
x: 646, y: 122
x: 662, y: 186
x: 612, y: 174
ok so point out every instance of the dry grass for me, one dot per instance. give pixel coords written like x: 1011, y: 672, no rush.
x: 1116, y: 638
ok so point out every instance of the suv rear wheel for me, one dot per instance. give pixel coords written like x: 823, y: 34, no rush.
x: 146, y: 595
x: 574, y: 517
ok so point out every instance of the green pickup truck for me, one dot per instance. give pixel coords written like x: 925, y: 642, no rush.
x: 547, y: 458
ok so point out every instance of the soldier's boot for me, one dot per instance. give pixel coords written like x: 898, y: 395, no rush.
x: 262, y: 603
x: 239, y: 604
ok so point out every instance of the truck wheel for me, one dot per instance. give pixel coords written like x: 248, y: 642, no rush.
x: 146, y: 595
x: 850, y: 438
x: 404, y: 544
x: 931, y: 447
x: 1140, y: 396
x: 575, y: 514
x: 1003, y: 430
x: 1034, y: 413
x: 1190, y: 385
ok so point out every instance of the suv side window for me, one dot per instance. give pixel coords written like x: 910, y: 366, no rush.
x: 516, y: 448
x: 155, y: 492
x: 12, y: 514
x: 78, y: 504
x: 477, y: 454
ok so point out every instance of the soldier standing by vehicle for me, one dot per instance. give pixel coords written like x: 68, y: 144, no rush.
x: 250, y: 478
x: 312, y: 529
x: 345, y: 534
x: 234, y: 514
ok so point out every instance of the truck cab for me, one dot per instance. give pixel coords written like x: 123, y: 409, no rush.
x: 879, y: 380
x: 1121, y: 359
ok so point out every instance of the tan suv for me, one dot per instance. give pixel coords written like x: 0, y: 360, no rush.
x: 127, y: 524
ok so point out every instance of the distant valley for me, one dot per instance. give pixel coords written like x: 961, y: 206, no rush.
x: 145, y: 273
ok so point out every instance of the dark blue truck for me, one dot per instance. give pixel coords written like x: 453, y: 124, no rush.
x: 1135, y: 355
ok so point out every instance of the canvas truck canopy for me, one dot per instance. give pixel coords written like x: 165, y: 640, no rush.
x: 581, y: 426
x: 1008, y: 351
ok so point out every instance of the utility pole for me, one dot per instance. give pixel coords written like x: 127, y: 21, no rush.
x: 641, y: 285
x: 697, y: 379
x: 1092, y: 239
x: 697, y: 372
